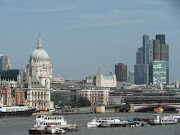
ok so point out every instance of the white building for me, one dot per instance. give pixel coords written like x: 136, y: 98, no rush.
x: 97, y: 96
x: 38, y: 74
x: 101, y: 80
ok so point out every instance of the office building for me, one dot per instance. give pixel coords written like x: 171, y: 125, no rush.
x: 130, y: 77
x: 160, y: 57
x: 147, y: 49
x: 141, y: 74
x: 139, y: 56
x: 3, y: 62
x: 158, y: 72
x: 121, y: 72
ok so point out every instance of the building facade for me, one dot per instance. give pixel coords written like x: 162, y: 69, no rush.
x: 3, y: 62
x: 121, y: 72
x: 96, y: 95
x: 38, y: 74
x: 161, y: 58
x: 158, y: 70
x: 141, y: 72
x: 100, y: 80
x: 130, y: 77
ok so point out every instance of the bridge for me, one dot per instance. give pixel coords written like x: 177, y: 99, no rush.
x: 150, y: 107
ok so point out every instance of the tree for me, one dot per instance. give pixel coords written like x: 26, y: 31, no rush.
x: 83, y: 102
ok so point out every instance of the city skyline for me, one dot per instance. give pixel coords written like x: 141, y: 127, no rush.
x: 82, y: 36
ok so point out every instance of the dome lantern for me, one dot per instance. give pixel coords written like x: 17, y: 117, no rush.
x: 39, y: 54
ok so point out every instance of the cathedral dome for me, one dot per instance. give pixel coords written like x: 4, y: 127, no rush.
x: 39, y: 54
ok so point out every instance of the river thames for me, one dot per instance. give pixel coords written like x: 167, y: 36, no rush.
x: 21, y: 125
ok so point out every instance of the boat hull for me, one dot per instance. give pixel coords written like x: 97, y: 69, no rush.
x: 18, y: 113
x: 36, y: 131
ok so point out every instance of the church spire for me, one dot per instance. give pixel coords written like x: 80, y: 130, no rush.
x: 39, y: 45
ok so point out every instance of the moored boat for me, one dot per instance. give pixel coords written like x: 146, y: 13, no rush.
x: 52, y: 124
x: 105, y: 122
x: 53, y: 129
x: 158, y: 120
x: 10, y: 111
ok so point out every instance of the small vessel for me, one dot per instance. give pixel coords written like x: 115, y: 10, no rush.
x: 10, y: 111
x: 45, y: 124
x: 158, y: 120
x: 105, y: 122
x: 94, y: 123
x: 114, y: 122
x: 158, y: 110
x: 53, y: 129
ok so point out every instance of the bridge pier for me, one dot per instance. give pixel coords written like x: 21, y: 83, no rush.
x: 131, y: 108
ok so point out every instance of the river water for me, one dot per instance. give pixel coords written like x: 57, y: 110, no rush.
x: 21, y: 125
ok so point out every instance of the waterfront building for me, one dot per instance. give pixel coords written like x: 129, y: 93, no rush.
x: 38, y: 74
x: 96, y: 95
x: 65, y: 97
x: 5, y: 94
x: 121, y: 72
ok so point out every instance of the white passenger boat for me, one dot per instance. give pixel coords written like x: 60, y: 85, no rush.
x: 158, y: 120
x: 93, y: 123
x: 96, y: 122
x: 44, y: 122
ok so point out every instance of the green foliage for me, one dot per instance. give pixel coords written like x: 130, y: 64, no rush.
x: 83, y: 102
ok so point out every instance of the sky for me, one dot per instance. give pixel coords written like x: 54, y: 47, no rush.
x: 83, y: 36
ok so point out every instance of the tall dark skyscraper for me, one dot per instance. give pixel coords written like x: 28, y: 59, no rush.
x: 160, y: 49
x: 121, y: 72
x: 161, y: 37
x: 139, y: 56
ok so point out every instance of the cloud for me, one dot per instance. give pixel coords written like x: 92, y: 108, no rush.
x: 113, y: 17
x: 46, y: 9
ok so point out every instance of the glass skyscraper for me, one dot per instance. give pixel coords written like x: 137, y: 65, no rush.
x: 158, y: 72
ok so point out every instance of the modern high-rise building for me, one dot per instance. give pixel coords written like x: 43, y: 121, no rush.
x: 121, y: 72
x: 161, y: 37
x: 160, y: 58
x: 3, y: 62
x: 130, y: 77
x: 147, y: 49
x: 158, y: 72
x: 143, y: 57
x: 139, y: 56
x: 155, y: 55
x: 141, y: 74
